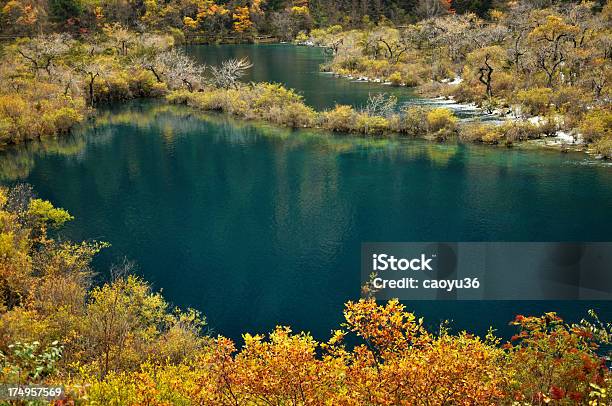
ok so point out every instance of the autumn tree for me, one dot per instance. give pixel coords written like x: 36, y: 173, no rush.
x: 242, y: 19
x: 210, y: 17
x: 21, y: 17
x: 118, y: 316
x: 174, y: 68
x: 92, y: 70
x: 483, y: 63
x: 551, y: 41
x: 120, y: 38
x: 394, y: 46
x: 41, y: 52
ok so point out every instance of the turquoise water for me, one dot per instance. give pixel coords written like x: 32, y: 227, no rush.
x: 257, y: 226
x: 297, y: 67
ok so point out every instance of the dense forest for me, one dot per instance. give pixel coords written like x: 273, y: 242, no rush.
x: 544, y: 65
x: 218, y: 18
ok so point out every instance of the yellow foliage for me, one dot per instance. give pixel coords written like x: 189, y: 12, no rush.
x: 190, y: 22
x: 368, y: 124
x: 486, y: 133
x: 242, y: 19
x: 38, y: 110
x: 395, y: 78
x: 536, y: 101
x: 603, y: 146
x: 300, y: 10
x: 267, y: 101
x: 392, y: 359
x: 596, y: 124
x: 441, y: 119
x: 341, y: 118
x: 208, y: 8
x: 43, y: 213
x: 122, y: 344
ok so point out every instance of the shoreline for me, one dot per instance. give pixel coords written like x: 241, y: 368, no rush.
x: 548, y: 143
x: 563, y: 141
x: 379, y: 126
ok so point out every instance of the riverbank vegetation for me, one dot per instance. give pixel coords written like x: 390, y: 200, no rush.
x: 278, y: 105
x: 548, y: 67
x: 121, y: 343
x: 52, y: 82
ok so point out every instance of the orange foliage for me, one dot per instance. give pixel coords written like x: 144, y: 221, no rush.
x: 242, y: 19
x: 391, y: 360
x: 209, y: 8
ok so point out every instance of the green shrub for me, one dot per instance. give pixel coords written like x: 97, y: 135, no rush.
x: 293, y: 115
x: 464, y: 93
x: 38, y: 111
x: 178, y: 36
x: 410, y: 79
x: 267, y: 95
x: 63, y: 119
x: 265, y: 101
x: 5, y: 131
x: 179, y: 97
x: 349, y: 64
x: 144, y: 84
x: 569, y: 99
x: 31, y: 362
x: 114, y: 87
x: 549, y: 125
x: 504, y: 84
x: 301, y: 37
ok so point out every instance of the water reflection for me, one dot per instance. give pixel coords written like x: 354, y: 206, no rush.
x: 257, y: 225
x: 176, y: 121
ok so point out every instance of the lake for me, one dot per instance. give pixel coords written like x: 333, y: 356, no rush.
x: 297, y: 67
x: 258, y: 226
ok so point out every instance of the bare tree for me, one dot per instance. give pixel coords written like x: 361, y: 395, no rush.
x: 227, y: 75
x: 181, y: 70
x: 174, y: 68
x: 549, y: 58
x: 92, y: 71
x: 370, y: 42
x: 394, y: 49
x: 549, y: 42
x: 332, y: 47
x: 380, y: 104
x: 19, y: 197
x: 484, y: 75
x: 42, y: 51
x: 120, y: 37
